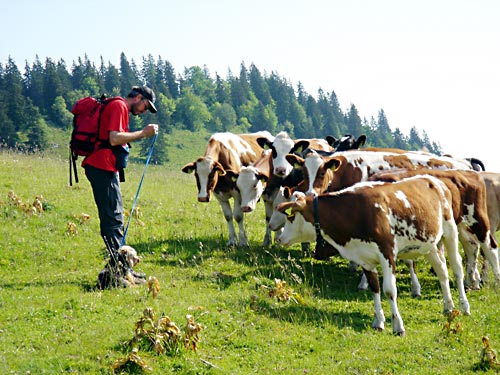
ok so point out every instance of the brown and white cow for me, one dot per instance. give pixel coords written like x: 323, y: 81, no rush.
x: 492, y: 182
x: 470, y: 212
x: 375, y: 223
x: 226, y: 151
x: 343, y: 169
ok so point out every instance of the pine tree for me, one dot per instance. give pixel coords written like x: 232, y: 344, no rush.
x: 13, y: 85
x: 353, y: 121
x: 33, y: 83
x: 222, y: 90
x: 259, y: 86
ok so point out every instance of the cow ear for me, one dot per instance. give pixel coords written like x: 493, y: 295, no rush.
x: 360, y: 141
x: 219, y: 169
x: 264, y: 143
x: 232, y: 175
x: 332, y: 163
x: 299, y: 147
x: 189, y: 168
x: 287, y: 192
x: 331, y: 140
x: 285, y: 208
x: 296, y: 161
x: 262, y: 177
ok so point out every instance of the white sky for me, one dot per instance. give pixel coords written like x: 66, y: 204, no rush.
x: 432, y: 64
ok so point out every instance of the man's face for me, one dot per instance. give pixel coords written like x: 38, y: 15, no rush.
x: 140, y: 106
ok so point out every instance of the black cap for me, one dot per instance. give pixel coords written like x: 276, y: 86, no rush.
x: 148, y: 94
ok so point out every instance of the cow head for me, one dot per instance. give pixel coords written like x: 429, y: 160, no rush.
x: 280, y: 147
x: 207, y: 172
x: 250, y: 183
x: 297, y: 228
x: 347, y: 142
x: 316, y: 170
x: 278, y: 219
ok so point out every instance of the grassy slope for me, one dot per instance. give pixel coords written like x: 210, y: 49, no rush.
x: 52, y: 320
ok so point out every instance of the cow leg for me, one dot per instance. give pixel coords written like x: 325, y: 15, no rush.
x: 451, y: 245
x: 238, y: 216
x: 353, y: 266
x: 378, y: 318
x: 415, y: 284
x: 485, y: 274
x: 363, y: 283
x: 306, y: 248
x: 228, y: 215
x: 268, y: 205
x: 441, y: 271
x: 391, y: 292
x: 471, y: 249
x: 491, y: 254
x: 450, y: 241
x: 485, y: 269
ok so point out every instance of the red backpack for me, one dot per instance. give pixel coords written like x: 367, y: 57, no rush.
x: 86, y: 126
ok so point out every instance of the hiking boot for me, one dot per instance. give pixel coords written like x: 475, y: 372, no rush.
x: 139, y: 275
x: 132, y: 279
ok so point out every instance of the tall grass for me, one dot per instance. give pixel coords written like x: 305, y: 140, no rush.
x: 53, y: 320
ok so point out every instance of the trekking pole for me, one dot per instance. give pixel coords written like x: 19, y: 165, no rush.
x: 139, y: 188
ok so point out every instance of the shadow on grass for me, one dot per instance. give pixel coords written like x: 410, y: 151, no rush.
x: 84, y: 284
x: 326, y: 277
x: 300, y: 314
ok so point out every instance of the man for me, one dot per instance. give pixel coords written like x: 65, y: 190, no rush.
x: 102, y: 171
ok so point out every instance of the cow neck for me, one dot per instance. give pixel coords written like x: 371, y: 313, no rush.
x: 320, y: 241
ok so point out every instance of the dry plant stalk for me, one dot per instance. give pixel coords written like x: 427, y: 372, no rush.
x: 153, y: 286
x: 160, y: 335
x: 448, y: 327
x: 191, y: 331
x: 28, y: 208
x: 132, y: 363
x: 281, y: 292
x: 489, y: 355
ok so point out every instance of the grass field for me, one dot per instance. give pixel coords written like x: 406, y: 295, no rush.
x: 53, y: 320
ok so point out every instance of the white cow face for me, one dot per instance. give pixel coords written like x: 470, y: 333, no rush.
x: 313, y: 164
x: 250, y: 183
x: 280, y: 147
x: 297, y: 229
x: 278, y: 219
x: 207, y: 172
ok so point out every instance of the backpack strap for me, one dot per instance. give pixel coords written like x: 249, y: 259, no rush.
x: 72, y: 165
x: 103, y: 143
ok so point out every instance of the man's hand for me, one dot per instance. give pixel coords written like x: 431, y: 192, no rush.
x: 150, y: 130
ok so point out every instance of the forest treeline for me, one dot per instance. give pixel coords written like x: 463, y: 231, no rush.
x: 41, y: 97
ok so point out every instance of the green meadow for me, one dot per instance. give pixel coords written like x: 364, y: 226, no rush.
x: 262, y: 310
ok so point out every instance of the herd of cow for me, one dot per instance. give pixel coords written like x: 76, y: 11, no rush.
x: 370, y: 205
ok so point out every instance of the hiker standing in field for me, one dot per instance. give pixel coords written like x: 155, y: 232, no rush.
x: 104, y: 168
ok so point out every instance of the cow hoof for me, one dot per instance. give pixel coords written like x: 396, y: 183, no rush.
x: 401, y: 334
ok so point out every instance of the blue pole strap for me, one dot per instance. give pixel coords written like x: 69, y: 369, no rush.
x: 139, y: 188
